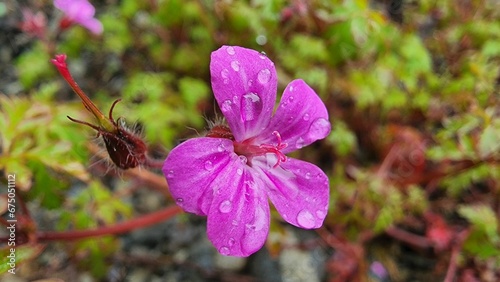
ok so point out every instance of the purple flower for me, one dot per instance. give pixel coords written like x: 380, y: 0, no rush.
x: 230, y: 179
x: 80, y: 12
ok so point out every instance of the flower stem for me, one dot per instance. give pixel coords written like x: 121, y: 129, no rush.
x: 120, y: 228
x: 60, y: 62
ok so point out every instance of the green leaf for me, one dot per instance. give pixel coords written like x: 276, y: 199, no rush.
x: 483, y: 218
x: 489, y: 141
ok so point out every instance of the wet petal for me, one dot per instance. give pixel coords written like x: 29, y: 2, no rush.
x: 301, y: 118
x: 238, y: 220
x: 244, y: 84
x: 192, y: 166
x: 299, y: 190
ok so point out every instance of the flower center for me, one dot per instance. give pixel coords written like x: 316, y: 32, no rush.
x: 249, y: 150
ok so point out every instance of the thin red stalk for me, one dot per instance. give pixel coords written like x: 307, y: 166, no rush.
x: 409, y: 238
x: 60, y: 63
x: 123, y: 227
x: 455, y: 251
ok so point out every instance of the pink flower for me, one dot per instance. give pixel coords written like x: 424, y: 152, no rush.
x: 80, y: 12
x: 230, y: 175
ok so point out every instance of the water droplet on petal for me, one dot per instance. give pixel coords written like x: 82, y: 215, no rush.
x: 305, y: 219
x: 259, y: 220
x: 250, y: 82
x: 170, y: 174
x: 300, y: 143
x: 239, y: 171
x: 225, y: 76
x: 221, y: 148
x: 264, y: 76
x: 224, y: 251
x: 319, y: 129
x: 230, y: 50
x: 225, y: 206
x: 243, y: 159
x: 308, y: 175
x: 290, y: 99
x: 209, y: 165
x: 251, y: 106
x: 320, y: 214
x: 231, y: 242
x: 291, y: 88
x: 226, y: 106
x: 179, y: 200
x: 306, y: 117
x: 235, y: 65
x: 235, y: 99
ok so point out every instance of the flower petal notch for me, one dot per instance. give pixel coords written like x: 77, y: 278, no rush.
x: 80, y: 12
x: 230, y: 174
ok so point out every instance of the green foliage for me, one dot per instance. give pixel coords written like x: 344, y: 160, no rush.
x: 484, y: 240
x: 29, y: 149
x: 33, y: 66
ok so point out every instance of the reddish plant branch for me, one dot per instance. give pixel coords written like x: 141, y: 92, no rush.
x: 455, y: 251
x: 120, y: 228
x: 411, y: 239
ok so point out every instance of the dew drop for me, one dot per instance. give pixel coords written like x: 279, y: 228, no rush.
x: 300, y: 143
x: 251, y: 106
x: 226, y: 106
x: 239, y: 171
x: 231, y: 242
x: 308, y: 175
x: 230, y: 50
x: 179, y: 200
x: 225, y: 206
x: 225, y: 76
x: 291, y: 88
x: 290, y: 99
x: 243, y: 159
x: 170, y: 174
x: 306, y: 117
x: 259, y: 221
x: 224, y: 251
x: 209, y: 166
x: 264, y: 76
x: 319, y: 129
x: 250, y: 82
x: 320, y: 214
x: 221, y: 148
x: 305, y: 219
x: 235, y: 65
x: 235, y: 99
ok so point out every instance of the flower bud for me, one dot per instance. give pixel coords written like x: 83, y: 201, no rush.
x: 125, y: 148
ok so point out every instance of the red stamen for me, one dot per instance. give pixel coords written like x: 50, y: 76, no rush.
x: 250, y: 150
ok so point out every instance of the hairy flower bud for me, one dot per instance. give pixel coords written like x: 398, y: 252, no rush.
x: 126, y: 149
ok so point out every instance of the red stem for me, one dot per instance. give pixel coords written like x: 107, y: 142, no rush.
x: 123, y: 227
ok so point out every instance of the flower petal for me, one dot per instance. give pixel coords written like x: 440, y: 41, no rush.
x: 299, y: 190
x: 301, y: 118
x: 244, y: 84
x: 238, y: 220
x: 94, y: 25
x: 192, y: 166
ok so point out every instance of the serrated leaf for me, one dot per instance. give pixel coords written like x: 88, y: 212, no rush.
x: 483, y: 218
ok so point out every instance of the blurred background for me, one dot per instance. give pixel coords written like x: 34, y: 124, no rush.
x: 412, y: 88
